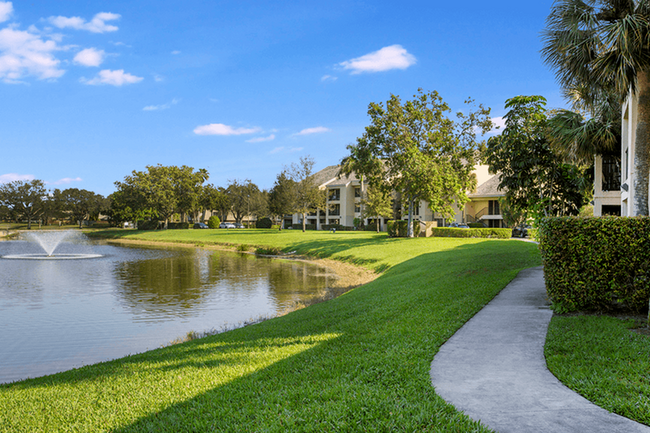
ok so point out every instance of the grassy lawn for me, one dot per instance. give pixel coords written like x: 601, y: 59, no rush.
x: 600, y: 358
x: 356, y: 363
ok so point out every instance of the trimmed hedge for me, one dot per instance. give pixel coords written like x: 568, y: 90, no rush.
x: 264, y: 223
x: 307, y: 226
x: 596, y: 264
x: 453, y: 232
x: 178, y: 226
x: 213, y: 222
x: 398, y: 228
x: 338, y: 227
x: 147, y: 225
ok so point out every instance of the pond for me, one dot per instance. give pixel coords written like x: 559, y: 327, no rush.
x: 61, y: 314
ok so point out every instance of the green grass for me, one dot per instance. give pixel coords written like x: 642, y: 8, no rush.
x: 359, y: 362
x: 603, y: 360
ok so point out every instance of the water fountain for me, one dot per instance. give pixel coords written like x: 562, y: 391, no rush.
x: 49, y: 241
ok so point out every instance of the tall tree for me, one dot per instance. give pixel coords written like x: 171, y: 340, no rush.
x: 532, y: 176
x: 25, y: 199
x: 246, y: 199
x: 376, y: 204
x: 282, y: 197
x: 212, y: 198
x: 605, y: 44
x: 418, y: 151
x: 80, y: 204
x: 309, y: 197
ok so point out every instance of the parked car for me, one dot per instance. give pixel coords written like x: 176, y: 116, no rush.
x: 520, y: 231
x: 239, y: 226
x: 201, y: 226
x: 225, y: 225
x: 458, y: 225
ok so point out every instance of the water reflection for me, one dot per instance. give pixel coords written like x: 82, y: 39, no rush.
x: 57, y: 315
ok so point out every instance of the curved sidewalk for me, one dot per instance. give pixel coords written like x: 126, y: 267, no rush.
x: 494, y: 370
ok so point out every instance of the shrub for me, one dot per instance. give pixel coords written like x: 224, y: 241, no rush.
x: 264, y: 223
x: 397, y: 228
x: 213, y: 222
x: 268, y: 251
x: 371, y: 227
x: 275, y: 226
x: 476, y: 225
x: 596, y: 263
x: 147, y: 225
x: 452, y: 232
x: 307, y: 227
x: 243, y: 248
x: 338, y: 227
x: 178, y: 226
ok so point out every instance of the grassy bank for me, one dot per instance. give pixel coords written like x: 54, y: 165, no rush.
x: 601, y: 358
x: 357, y: 363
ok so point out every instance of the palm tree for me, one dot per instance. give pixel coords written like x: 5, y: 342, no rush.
x: 592, y: 129
x: 605, y: 44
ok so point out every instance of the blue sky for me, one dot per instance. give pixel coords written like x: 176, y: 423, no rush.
x: 94, y: 90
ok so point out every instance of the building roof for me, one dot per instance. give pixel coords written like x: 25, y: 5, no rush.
x: 489, y: 188
x: 329, y: 177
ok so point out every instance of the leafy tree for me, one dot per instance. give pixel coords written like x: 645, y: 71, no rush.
x: 418, y: 151
x: 80, y: 204
x: 282, y: 197
x: 246, y: 199
x: 223, y: 204
x: 602, y: 45
x: 309, y: 197
x: 158, y: 192
x: 24, y: 199
x: 212, y: 198
x: 533, y: 177
x: 376, y: 204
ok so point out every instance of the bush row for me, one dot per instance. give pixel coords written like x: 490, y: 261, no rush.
x: 597, y: 264
x: 398, y: 228
x: 451, y: 232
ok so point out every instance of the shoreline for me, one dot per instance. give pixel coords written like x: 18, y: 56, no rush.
x: 349, y: 276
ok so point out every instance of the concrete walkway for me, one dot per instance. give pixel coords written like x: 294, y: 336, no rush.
x: 494, y: 370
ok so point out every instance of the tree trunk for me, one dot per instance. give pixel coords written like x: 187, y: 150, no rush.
x: 641, y: 146
x: 409, y: 227
x: 304, y: 222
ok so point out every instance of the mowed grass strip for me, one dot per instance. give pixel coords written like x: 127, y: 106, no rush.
x: 356, y: 363
x: 603, y: 360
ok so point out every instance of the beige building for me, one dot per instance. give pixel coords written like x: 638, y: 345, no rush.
x: 344, y: 202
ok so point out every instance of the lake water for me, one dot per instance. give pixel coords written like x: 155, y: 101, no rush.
x: 61, y: 314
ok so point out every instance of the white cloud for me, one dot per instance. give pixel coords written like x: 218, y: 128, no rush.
x: 261, y: 139
x: 499, y: 123
x: 316, y: 130
x: 392, y: 57
x: 158, y: 78
x: 65, y: 181
x: 328, y: 78
x: 162, y: 106
x: 276, y: 150
x: 221, y: 129
x: 175, y: 52
x: 6, y: 9
x: 296, y: 149
x: 24, y: 53
x: 90, y: 57
x: 11, y: 177
x: 96, y: 25
x: 113, y: 78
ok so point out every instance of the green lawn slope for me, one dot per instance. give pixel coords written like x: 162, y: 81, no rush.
x: 359, y: 362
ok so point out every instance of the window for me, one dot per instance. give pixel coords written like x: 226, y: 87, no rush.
x: 611, y: 173
x: 493, y: 207
x: 357, y: 191
x: 334, y: 194
x: 335, y: 209
x: 611, y: 210
x: 357, y: 207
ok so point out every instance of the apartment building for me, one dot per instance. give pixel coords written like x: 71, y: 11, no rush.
x: 344, y: 202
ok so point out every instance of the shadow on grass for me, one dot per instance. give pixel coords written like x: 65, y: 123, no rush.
x: 373, y: 374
